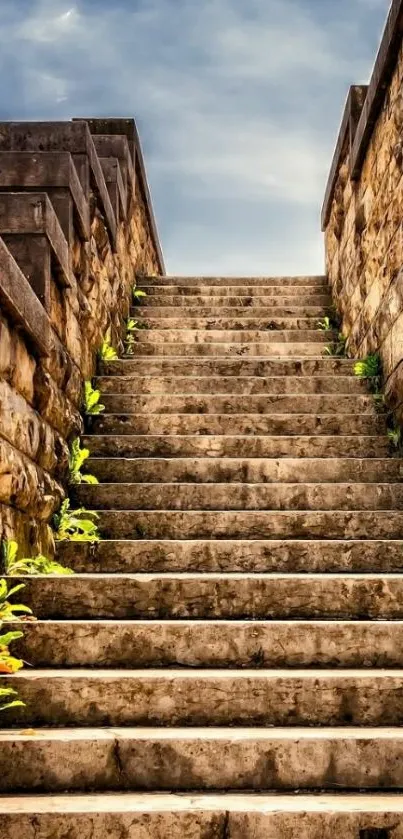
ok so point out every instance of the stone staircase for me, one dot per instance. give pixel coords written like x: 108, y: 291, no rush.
x: 237, y: 638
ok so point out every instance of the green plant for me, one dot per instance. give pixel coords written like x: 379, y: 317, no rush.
x: 92, y: 396
x: 325, y: 325
x: 77, y: 458
x: 75, y: 525
x: 370, y: 369
x: 11, y: 611
x: 33, y: 566
x: 138, y: 295
x: 395, y: 438
x: 130, y: 340
x: 5, y: 693
x: 379, y: 401
x: 339, y: 347
x: 106, y: 351
x: 8, y: 662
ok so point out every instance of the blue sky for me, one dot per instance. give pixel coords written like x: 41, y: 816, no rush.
x: 238, y: 104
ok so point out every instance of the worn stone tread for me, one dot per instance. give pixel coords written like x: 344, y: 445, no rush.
x: 271, y: 424
x: 239, y: 697
x: 219, y: 322
x: 147, y: 347
x: 123, y: 759
x: 216, y: 595
x: 239, y: 555
x: 229, y: 497
x: 296, y: 524
x: 231, y: 384
x: 211, y: 643
x: 217, y: 446
x: 182, y: 335
x: 217, y: 310
x: 248, y: 470
x: 297, y: 281
x: 261, y: 366
x: 289, y: 403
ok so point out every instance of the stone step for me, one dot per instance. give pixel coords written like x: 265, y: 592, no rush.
x: 275, y: 313
x: 234, y: 424
x: 154, y: 446
x: 216, y: 403
x: 208, y: 816
x: 173, y: 697
x: 240, y: 299
x: 211, y: 643
x: 242, y: 496
x: 155, y: 282
x: 233, y: 336
x: 220, y: 322
x: 222, y: 292
x: 225, y: 596
x: 199, y: 524
x: 247, y: 471
x: 146, y: 347
x: 231, y: 384
x: 326, y: 366
x: 215, y: 556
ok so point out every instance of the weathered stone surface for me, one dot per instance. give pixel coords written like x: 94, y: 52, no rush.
x: 148, y: 348
x: 295, y: 282
x: 223, y: 698
x: 217, y: 446
x: 230, y: 311
x: 363, y: 222
x: 177, y: 524
x: 243, y: 497
x: 275, y: 293
x: 211, y: 643
x: 231, y: 384
x: 216, y: 336
x: 244, y: 424
x: 268, y: 403
x: 248, y: 471
x: 86, y: 289
x: 197, y: 595
x: 193, y: 322
x: 241, y: 816
x: 232, y: 367
x: 254, y: 555
x: 154, y: 816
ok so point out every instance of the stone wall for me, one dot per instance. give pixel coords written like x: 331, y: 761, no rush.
x: 363, y: 214
x: 76, y: 227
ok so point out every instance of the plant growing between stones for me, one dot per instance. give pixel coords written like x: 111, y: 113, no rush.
x: 325, y: 324
x: 138, y: 296
x: 32, y: 566
x: 370, y: 369
x: 9, y: 664
x: 395, y: 438
x: 77, y: 458
x: 11, y: 611
x: 106, y: 351
x: 130, y: 340
x: 338, y: 349
x: 92, y: 405
x: 75, y: 525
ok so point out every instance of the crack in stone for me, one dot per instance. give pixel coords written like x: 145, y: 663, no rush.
x: 226, y: 827
x: 118, y: 760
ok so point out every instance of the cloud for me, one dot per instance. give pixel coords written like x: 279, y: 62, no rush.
x: 238, y: 103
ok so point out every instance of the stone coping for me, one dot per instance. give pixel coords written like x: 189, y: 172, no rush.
x: 128, y: 128
x: 363, y: 106
x: 21, y: 303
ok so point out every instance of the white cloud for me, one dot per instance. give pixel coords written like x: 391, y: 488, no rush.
x: 46, y: 26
